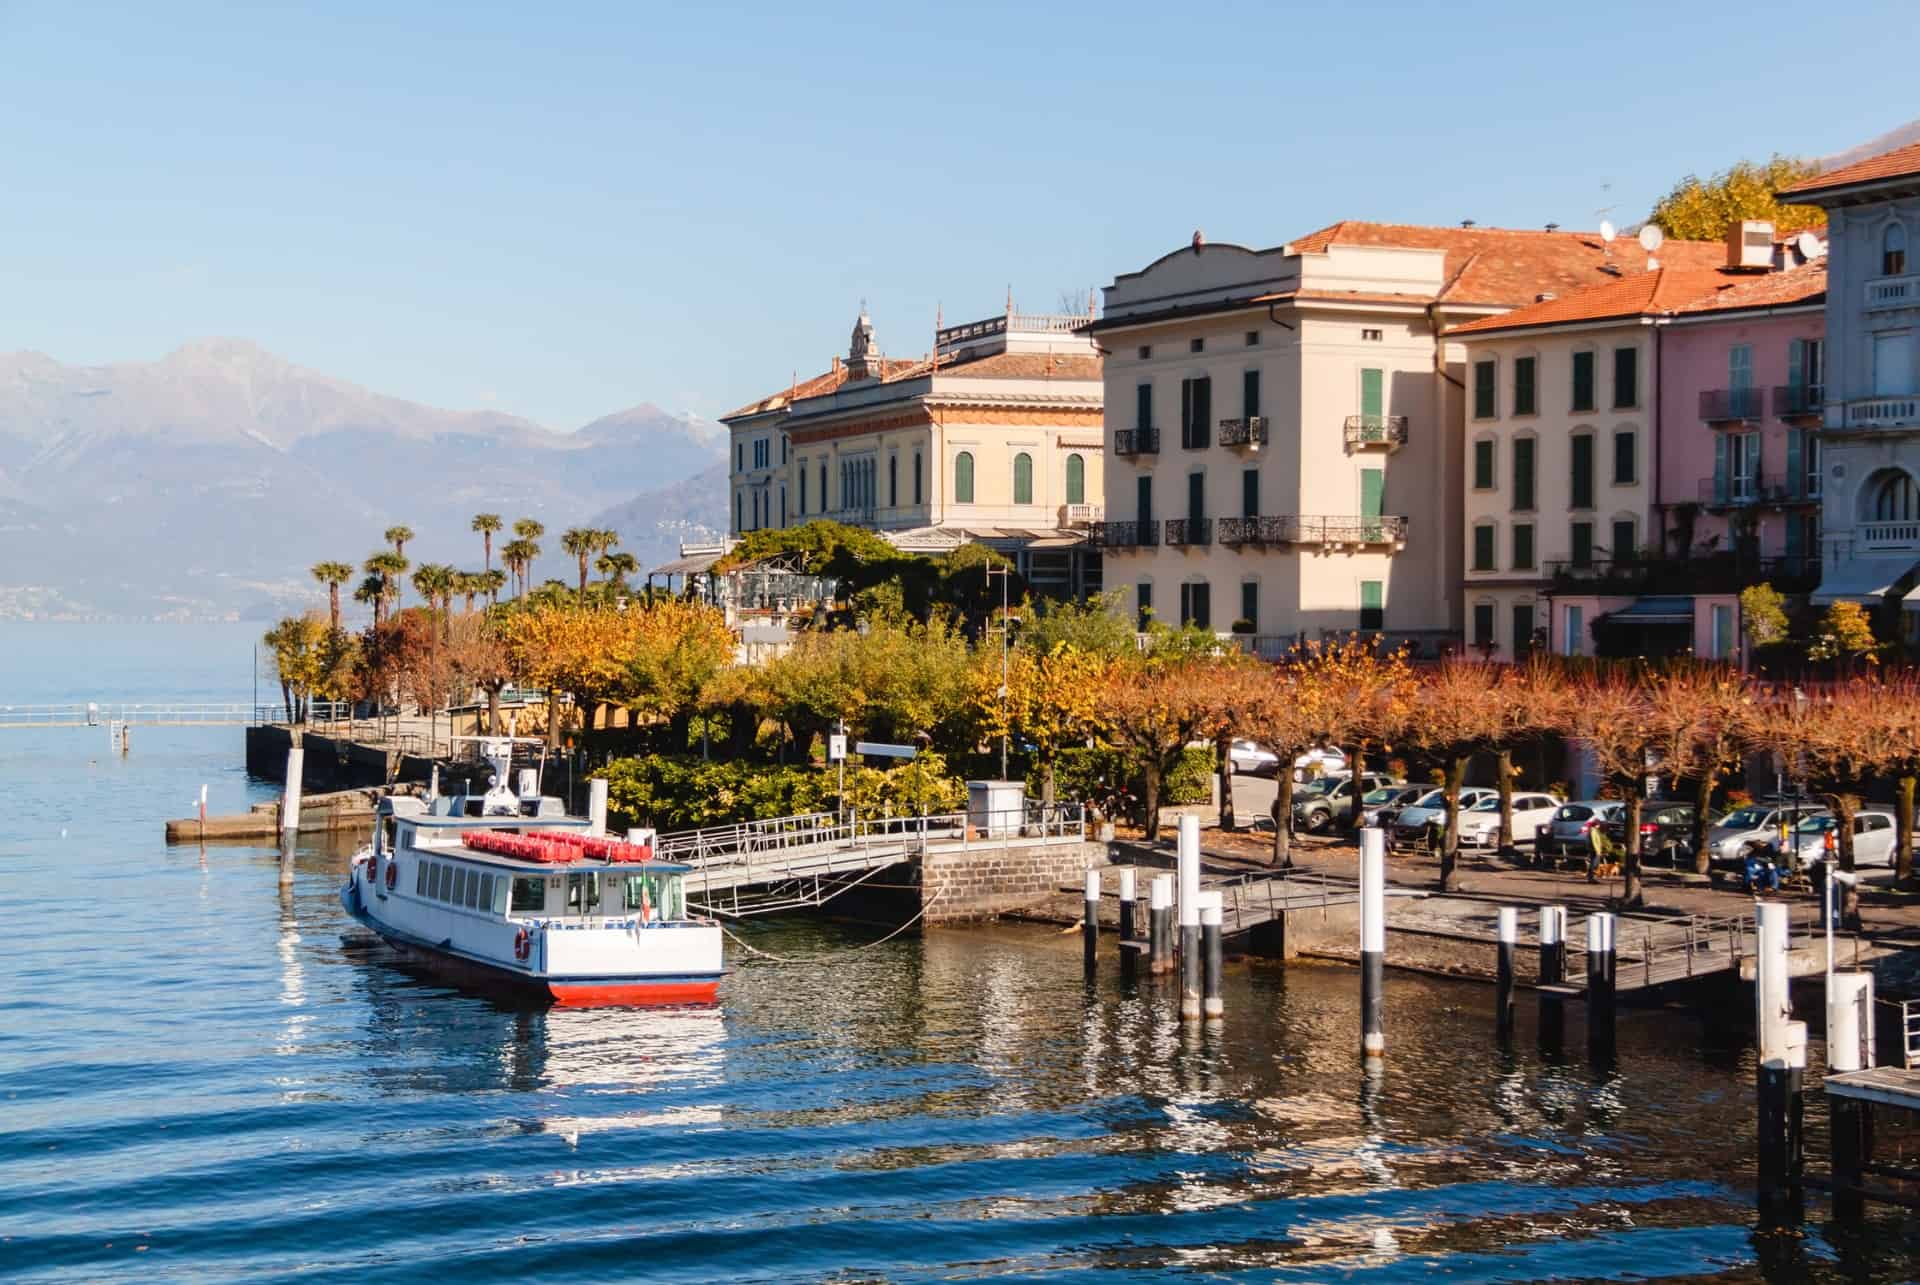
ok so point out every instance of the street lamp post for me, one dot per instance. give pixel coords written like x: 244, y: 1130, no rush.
x: 1006, y: 575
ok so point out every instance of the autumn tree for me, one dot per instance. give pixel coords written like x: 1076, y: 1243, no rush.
x: 299, y: 646
x: 1052, y: 700
x: 678, y: 648
x: 1706, y: 209
x: 567, y: 649
x: 1361, y: 697
x: 1281, y: 717
x: 1703, y: 716
x: 1155, y: 709
x: 1612, y: 712
x: 481, y: 657
x: 1238, y: 684
x: 1764, y: 610
x: 1846, y: 633
x: 1461, y: 710
x: 1536, y: 702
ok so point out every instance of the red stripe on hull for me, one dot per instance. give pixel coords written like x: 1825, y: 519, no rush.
x: 592, y: 994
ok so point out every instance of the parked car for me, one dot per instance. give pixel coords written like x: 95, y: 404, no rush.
x: 1666, y: 831
x: 1480, y: 825
x: 1409, y: 829
x: 1253, y: 760
x: 1874, y: 840
x: 1567, y: 831
x: 1327, y: 760
x: 1753, y: 826
x: 1330, y: 799
x: 1381, y: 806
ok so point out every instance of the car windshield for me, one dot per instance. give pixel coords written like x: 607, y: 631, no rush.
x: 1385, y: 794
x: 1489, y: 804
x: 1745, y: 819
x: 1313, y: 789
x: 1573, y: 812
x: 1817, y: 824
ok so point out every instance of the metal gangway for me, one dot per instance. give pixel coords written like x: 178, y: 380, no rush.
x: 1652, y: 952
x: 138, y: 714
x: 796, y: 862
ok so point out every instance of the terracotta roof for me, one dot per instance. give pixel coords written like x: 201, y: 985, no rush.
x: 890, y: 368
x: 1508, y: 267
x: 1666, y: 291
x: 1899, y: 163
x: 1026, y: 365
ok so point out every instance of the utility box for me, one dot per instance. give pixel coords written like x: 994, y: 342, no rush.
x: 996, y: 809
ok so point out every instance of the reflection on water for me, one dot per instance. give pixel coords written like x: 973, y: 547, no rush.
x: 204, y: 1068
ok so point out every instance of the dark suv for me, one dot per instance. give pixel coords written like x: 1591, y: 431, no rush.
x: 1666, y: 832
x: 1318, y: 806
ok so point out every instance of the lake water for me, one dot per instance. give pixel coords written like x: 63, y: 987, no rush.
x: 204, y: 1075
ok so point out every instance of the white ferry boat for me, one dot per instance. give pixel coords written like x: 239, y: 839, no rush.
x: 506, y: 890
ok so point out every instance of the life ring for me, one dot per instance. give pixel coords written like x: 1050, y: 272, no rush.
x: 393, y: 874
x: 522, y: 945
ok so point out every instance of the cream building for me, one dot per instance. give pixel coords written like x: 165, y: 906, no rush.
x: 995, y: 438
x: 1286, y: 424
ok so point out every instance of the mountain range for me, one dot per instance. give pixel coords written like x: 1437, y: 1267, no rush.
x: 206, y: 483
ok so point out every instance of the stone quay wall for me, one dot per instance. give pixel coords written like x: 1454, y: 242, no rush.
x: 988, y: 879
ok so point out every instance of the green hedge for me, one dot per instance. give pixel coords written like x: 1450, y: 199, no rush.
x: 681, y: 792
x: 1082, y: 773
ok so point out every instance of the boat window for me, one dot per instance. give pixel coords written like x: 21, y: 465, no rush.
x: 420, y: 879
x: 459, y: 884
x: 486, y: 892
x: 499, y: 898
x: 473, y: 888
x: 446, y: 881
x: 529, y: 893
x: 433, y: 880
x: 392, y: 828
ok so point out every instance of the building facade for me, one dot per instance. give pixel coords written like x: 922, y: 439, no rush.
x: 995, y: 438
x: 1870, y: 440
x: 1285, y: 425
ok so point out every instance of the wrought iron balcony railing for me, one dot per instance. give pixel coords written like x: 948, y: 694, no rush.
x: 1377, y: 430
x: 1744, y: 492
x: 1137, y: 441
x: 1251, y: 431
x: 1723, y: 405
x: 1791, y: 401
x: 1314, y: 530
x: 1124, y: 535
x: 1189, y: 531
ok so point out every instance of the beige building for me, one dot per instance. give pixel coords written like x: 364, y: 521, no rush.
x: 995, y: 438
x: 1286, y: 425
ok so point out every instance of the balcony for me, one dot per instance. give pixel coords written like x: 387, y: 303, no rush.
x: 1756, y: 491
x: 1883, y: 412
x: 1727, y: 571
x: 1251, y: 431
x: 1075, y: 517
x: 1364, y: 431
x: 1893, y: 292
x: 1900, y: 536
x: 1124, y: 535
x: 1136, y: 441
x: 1729, y: 405
x: 1332, y: 532
x: 1186, y: 532
x: 1798, y: 401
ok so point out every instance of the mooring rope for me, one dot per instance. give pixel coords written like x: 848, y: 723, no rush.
x: 752, y: 949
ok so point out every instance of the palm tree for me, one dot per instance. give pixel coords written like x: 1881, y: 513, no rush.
x: 467, y: 585
x: 519, y: 555
x: 616, y: 567
x: 529, y: 529
x: 389, y: 567
x: 373, y: 593
x: 434, y: 580
x: 486, y: 524
x: 491, y: 583
x: 397, y: 536
x: 579, y: 541
x: 333, y: 575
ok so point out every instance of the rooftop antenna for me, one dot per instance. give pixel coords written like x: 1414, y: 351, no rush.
x: 1009, y: 298
x: 939, y: 324
x: 1651, y: 239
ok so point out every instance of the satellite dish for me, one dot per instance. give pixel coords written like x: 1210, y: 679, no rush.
x: 1810, y: 246
x: 1606, y: 231
x: 1651, y: 238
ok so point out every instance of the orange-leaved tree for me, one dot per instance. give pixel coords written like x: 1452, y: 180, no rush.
x: 1462, y: 709
x: 1361, y: 697
x: 1612, y: 712
x: 1705, y: 718
x: 1053, y: 700
x: 1281, y: 716
x: 575, y: 651
x: 1154, y: 709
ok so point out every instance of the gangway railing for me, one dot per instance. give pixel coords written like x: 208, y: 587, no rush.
x: 134, y: 713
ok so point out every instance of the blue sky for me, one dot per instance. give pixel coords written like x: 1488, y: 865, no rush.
x: 562, y: 210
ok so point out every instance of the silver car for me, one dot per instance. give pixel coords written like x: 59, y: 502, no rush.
x: 1572, y: 824
x: 1754, y: 826
x: 1410, y: 827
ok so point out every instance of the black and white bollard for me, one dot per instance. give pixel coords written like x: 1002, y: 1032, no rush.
x: 1782, y: 1063
x: 1553, y: 972
x: 1509, y: 943
x: 290, y: 793
x: 1373, y: 941
x: 1190, y: 964
x: 1090, y: 923
x: 1600, y: 983
x: 1127, y: 924
x: 1211, y: 957
x: 1160, y: 924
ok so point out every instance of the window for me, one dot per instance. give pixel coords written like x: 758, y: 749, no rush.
x: 1143, y: 605
x: 1373, y: 604
x: 1522, y: 629
x: 1196, y: 498
x: 1582, y: 544
x: 1076, y: 479
x: 1368, y: 335
x: 529, y: 892
x: 739, y: 457
x: 1143, y: 500
x: 1810, y: 462
x: 893, y: 481
x: 1483, y: 624
x: 1583, y: 380
x: 1895, y: 497
x: 1250, y: 604
x: 1483, y: 538
x: 803, y: 488
x: 1626, y: 458
x: 1483, y: 399
x: 459, y: 885
x: 1250, y: 393
x: 1573, y: 631
x: 1720, y: 645
x: 1253, y: 339
x: 1373, y: 490
x: 762, y: 452
x: 916, y: 478
x: 1523, y: 546
x: 1582, y: 480
x: 1522, y: 474
x: 783, y: 450
x: 823, y: 486
x: 1743, y: 465
x: 1250, y: 493
x: 1740, y: 366
x: 1196, y: 408
x: 1145, y: 351
x: 1023, y: 478
x: 420, y: 878
x: 1196, y: 345
x: 963, y: 478
x: 783, y: 506
x: 1523, y: 399
x: 1483, y: 455
x: 473, y: 888
x: 1626, y: 378
x: 1194, y: 605
x: 1625, y: 541
x: 1893, y: 364
x: 1143, y: 406
x: 739, y: 511
x: 1893, y: 250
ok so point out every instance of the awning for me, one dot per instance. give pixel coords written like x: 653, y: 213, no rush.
x: 1661, y: 610
x: 1862, y: 580
x: 687, y: 566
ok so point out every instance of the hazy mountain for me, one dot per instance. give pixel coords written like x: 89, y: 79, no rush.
x: 1899, y: 137
x: 653, y: 524
x: 211, y: 479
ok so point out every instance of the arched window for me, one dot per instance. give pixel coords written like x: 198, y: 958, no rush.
x: 963, y: 478
x: 1893, y: 250
x: 1023, y: 478
x: 1895, y: 497
x: 1076, y: 479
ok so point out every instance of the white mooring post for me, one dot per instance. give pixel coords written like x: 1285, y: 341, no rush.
x: 1373, y: 940
x: 290, y: 793
x: 1600, y: 986
x: 433, y: 782
x: 1127, y: 924
x: 1210, y: 950
x: 1190, y: 1006
x: 1509, y: 942
x: 1090, y: 923
x: 1553, y: 972
x: 1160, y: 924
x: 1782, y: 1063
x: 597, y: 805
x: 1849, y: 1021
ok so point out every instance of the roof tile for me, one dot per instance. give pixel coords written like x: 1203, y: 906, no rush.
x: 1899, y: 163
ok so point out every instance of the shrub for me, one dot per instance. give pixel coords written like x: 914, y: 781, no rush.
x: 1083, y: 774
x: 678, y: 792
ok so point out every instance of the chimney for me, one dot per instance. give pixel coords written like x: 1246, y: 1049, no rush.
x: 1545, y: 296
x: 1750, y: 245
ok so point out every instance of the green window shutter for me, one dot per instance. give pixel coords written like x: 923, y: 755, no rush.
x: 1796, y: 363
x: 1626, y: 378
x: 1482, y: 623
x: 963, y: 478
x: 1623, y: 541
x: 1523, y: 546
x: 1373, y: 396
x: 1483, y: 466
x: 1522, y: 629
x: 1523, y: 368
x: 1186, y: 413
x: 1203, y: 605
x: 916, y: 478
x: 1740, y: 366
x: 1583, y: 381
x: 1373, y: 604
x: 1250, y: 493
x: 1143, y: 499
x: 1796, y: 538
x: 1522, y: 474
x: 1483, y: 547
x: 1582, y: 471
x: 1373, y: 489
x: 1583, y: 544
x: 1196, y: 496
x: 1023, y: 478
x: 1143, y: 605
x: 1720, y: 465
x: 1796, y: 482
x: 1250, y: 603
x: 1626, y: 461
x: 1143, y: 406
x: 1483, y: 400
x: 1250, y: 393
x: 1203, y: 412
